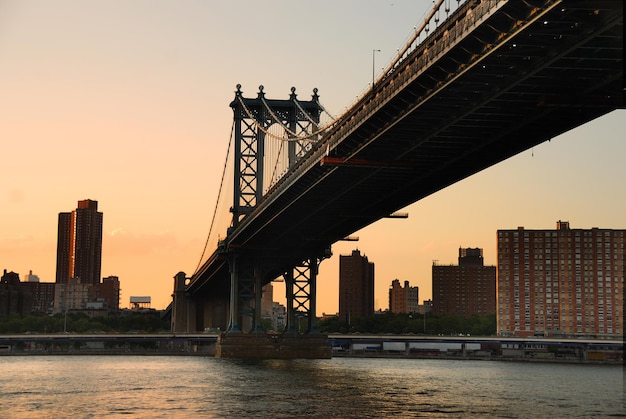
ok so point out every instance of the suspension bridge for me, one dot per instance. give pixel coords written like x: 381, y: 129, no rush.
x: 472, y: 87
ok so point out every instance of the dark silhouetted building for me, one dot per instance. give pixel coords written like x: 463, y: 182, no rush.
x: 356, y: 286
x: 427, y: 307
x: 79, y: 244
x: 24, y: 298
x: 403, y: 300
x: 42, y: 296
x: 14, y: 300
x: 110, y: 292
x: 466, y: 289
x: 563, y: 282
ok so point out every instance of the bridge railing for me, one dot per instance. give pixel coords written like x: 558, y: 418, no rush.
x: 408, y: 67
x: 467, y: 15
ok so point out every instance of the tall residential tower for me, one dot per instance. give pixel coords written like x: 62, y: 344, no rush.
x: 79, y: 244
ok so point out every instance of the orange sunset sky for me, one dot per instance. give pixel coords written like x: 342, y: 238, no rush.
x: 126, y: 103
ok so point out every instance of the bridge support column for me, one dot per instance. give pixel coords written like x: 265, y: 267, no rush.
x: 313, y: 271
x: 183, y: 307
x: 233, y: 323
x: 301, y: 289
x: 258, y: 293
x: 290, y: 328
x: 246, y: 290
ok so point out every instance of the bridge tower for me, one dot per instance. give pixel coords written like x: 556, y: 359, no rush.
x: 251, y: 269
x: 253, y: 119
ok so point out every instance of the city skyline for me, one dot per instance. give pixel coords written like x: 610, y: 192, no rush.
x: 127, y: 104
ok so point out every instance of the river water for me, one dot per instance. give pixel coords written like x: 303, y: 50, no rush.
x: 191, y: 387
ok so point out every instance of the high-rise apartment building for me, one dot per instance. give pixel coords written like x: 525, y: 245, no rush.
x: 79, y: 244
x: 356, y: 286
x: 267, y: 300
x: 403, y: 300
x: 563, y: 282
x: 466, y: 289
x: 272, y: 311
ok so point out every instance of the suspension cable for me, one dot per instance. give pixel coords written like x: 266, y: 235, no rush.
x: 306, y: 114
x: 219, y: 195
x: 276, y: 120
x: 309, y: 137
x: 334, y: 118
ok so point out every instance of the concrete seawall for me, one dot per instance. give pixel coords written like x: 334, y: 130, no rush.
x: 372, y: 346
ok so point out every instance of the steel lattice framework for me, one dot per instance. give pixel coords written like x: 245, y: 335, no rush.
x: 253, y: 119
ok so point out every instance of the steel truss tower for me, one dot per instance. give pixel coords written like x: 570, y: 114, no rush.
x: 250, y: 269
x: 253, y: 118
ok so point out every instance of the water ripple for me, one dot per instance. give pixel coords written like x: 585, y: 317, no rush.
x: 165, y: 387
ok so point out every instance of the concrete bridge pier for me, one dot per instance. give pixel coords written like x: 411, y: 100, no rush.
x: 183, y: 307
x: 193, y: 313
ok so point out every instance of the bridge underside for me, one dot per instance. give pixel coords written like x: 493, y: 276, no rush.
x: 527, y: 73
x: 515, y: 82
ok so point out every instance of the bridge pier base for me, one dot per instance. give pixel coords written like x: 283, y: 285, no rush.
x: 272, y: 346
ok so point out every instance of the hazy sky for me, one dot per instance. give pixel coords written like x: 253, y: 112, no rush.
x: 126, y: 103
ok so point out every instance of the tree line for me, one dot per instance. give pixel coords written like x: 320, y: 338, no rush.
x: 474, y: 325
x: 149, y: 322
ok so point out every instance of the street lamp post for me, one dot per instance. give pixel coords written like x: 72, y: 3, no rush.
x: 374, y: 51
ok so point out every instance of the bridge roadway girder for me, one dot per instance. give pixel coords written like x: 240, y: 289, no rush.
x: 488, y: 98
x: 462, y: 101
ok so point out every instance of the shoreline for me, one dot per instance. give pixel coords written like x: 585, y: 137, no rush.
x: 486, y: 359
x: 571, y: 351
x: 210, y: 353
